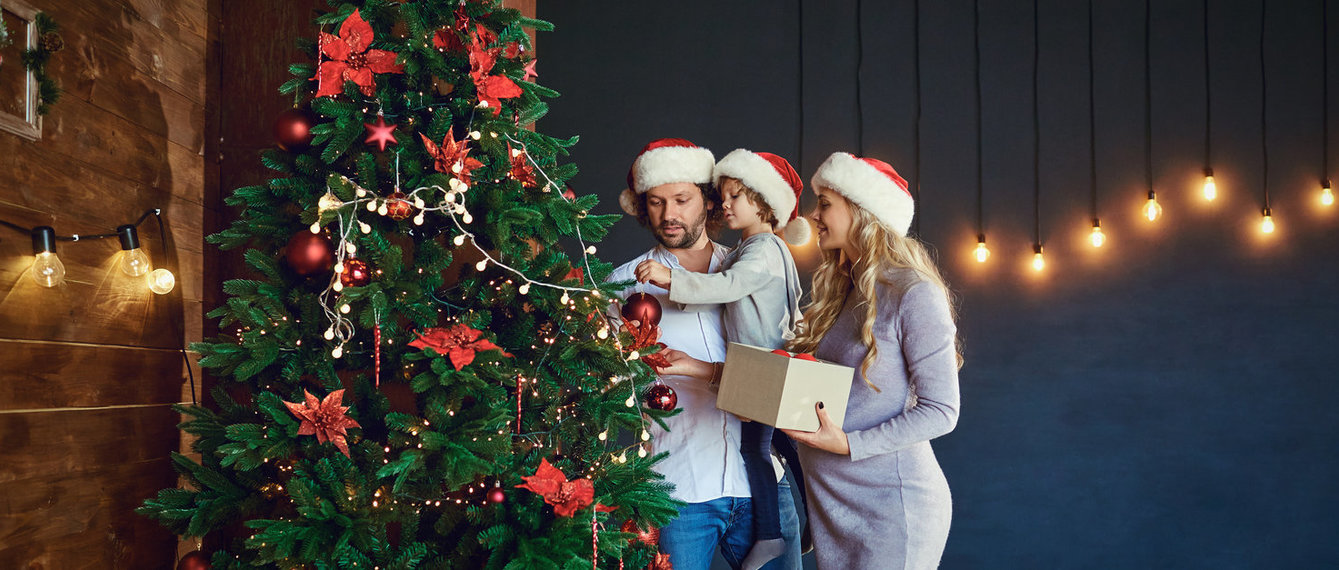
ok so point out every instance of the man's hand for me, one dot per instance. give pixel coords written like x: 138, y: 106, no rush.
x: 829, y: 436
x: 653, y: 272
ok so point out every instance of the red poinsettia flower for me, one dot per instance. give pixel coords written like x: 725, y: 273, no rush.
x: 575, y: 273
x: 521, y: 170
x: 490, y: 89
x: 324, y: 418
x: 646, y: 336
x: 451, y: 155
x: 662, y: 562
x: 459, y: 343
x: 567, y: 497
x: 350, y: 60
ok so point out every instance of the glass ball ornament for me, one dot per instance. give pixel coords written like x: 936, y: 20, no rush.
x: 356, y: 273
x: 661, y: 397
x: 397, y: 207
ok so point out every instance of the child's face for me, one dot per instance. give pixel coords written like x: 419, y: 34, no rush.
x: 740, y: 212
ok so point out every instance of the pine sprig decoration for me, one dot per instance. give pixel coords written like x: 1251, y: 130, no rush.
x: 35, y: 59
x: 452, y: 241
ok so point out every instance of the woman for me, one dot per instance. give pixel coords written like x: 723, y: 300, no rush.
x: 877, y: 496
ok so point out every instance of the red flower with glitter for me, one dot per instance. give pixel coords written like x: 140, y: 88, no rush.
x: 521, y: 170
x: 351, y: 60
x: 647, y: 336
x: 491, y: 89
x: 567, y: 497
x: 324, y: 418
x: 459, y: 343
x: 451, y: 157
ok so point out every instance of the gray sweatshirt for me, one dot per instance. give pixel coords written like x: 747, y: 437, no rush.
x: 758, y: 285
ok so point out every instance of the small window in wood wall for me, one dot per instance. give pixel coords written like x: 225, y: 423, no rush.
x: 18, y: 87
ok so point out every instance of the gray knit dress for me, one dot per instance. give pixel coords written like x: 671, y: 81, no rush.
x: 887, y: 505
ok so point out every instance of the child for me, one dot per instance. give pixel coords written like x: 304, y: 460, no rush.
x: 760, y: 288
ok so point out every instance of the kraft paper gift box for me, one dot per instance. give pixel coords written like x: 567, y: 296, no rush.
x: 781, y: 391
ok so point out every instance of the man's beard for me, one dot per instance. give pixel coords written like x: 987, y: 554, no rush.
x: 690, y: 234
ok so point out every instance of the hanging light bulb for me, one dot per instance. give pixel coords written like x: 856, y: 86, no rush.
x: 1038, y: 262
x: 1210, y: 189
x: 161, y: 281
x: 982, y: 252
x: 1326, y: 195
x: 134, y: 261
x: 48, y: 271
x: 1266, y: 224
x: 1151, y: 208
x: 1097, y: 237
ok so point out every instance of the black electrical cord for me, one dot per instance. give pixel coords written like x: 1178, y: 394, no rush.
x: 916, y: 53
x: 77, y: 237
x: 980, y: 193
x: 1264, y: 110
x: 1325, y: 92
x: 859, y: 69
x: 1092, y: 116
x: 1148, y: 98
x: 1208, y: 96
x: 1036, y: 124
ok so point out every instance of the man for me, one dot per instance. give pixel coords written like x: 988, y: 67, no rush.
x: 669, y: 192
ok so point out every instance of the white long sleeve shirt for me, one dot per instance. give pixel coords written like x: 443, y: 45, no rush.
x: 703, y: 442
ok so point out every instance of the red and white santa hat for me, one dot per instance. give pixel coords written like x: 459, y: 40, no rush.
x: 775, y: 181
x: 872, y: 184
x: 665, y: 161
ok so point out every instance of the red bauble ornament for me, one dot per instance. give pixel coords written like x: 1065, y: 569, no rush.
x: 649, y: 537
x: 661, y: 397
x: 293, y: 129
x: 309, y: 253
x: 642, y: 307
x: 497, y: 495
x: 397, y: 207
x: 356, y: 273
x: 193, y: 560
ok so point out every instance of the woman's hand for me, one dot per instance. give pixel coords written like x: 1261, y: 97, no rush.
x: 653, y: 272
x: 829, y: 436
x: 683, y: 365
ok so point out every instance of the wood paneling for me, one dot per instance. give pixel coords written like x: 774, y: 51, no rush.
x: 88, y: 370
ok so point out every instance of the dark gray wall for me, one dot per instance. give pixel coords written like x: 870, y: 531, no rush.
x: 1166, y: 401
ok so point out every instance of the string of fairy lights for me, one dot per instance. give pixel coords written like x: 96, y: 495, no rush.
x: 47, y: 270
x: 451, y: 204
x: 1151, y: 210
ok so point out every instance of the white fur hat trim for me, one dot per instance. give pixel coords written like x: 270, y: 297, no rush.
x: 755, y: 172
x: 871, y: 189
x: 669, y: 164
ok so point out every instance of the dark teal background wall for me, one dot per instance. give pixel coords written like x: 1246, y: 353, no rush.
x: 1167, y: 401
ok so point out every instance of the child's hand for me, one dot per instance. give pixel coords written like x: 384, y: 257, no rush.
x: 653, y: 272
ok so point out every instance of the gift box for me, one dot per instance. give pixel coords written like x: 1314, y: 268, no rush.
x: 781, y: 391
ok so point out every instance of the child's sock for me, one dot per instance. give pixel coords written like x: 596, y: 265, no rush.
x: 763, y: 551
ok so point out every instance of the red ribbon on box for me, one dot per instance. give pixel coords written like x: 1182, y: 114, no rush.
x: 799, y: 355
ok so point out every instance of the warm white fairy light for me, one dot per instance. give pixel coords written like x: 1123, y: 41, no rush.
x: 1097, y: 238
x: 1266, y: 222
x: 1326, y: 194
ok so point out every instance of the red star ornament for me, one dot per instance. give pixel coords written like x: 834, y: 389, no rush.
x: 567, y: 497
x: 459, y: 343
x: 324, y: 418
x: 380, y: 133
x: 452, y: 157
x: 350, y: 60
x: 490, y: 89
x: 530, y: 72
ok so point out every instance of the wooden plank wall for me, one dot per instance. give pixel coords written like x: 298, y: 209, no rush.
x: 88, y: 370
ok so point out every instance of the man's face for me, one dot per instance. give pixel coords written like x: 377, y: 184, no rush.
x: 677, y: 213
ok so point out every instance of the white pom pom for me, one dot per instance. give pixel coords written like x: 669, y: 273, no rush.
x: 628, y: 201
x: 798, y: 232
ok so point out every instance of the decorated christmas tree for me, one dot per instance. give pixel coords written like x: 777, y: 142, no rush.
x: 415, y: 374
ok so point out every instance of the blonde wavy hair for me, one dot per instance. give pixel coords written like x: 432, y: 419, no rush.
x: 880, y: 249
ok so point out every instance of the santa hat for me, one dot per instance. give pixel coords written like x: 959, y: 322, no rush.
x: 872, y: 184
x: 665, y: 161
x: 775, y: 181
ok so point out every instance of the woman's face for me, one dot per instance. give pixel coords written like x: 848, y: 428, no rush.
x: 832, y: 219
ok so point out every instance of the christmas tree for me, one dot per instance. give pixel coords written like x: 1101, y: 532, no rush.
x: 417, y: 375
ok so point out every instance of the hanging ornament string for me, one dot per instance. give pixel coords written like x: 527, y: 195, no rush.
x: 549, y: 183
x: 594, y: 541
x: 376, y: 351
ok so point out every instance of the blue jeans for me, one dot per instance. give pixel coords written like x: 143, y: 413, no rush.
x: 692, y: 538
